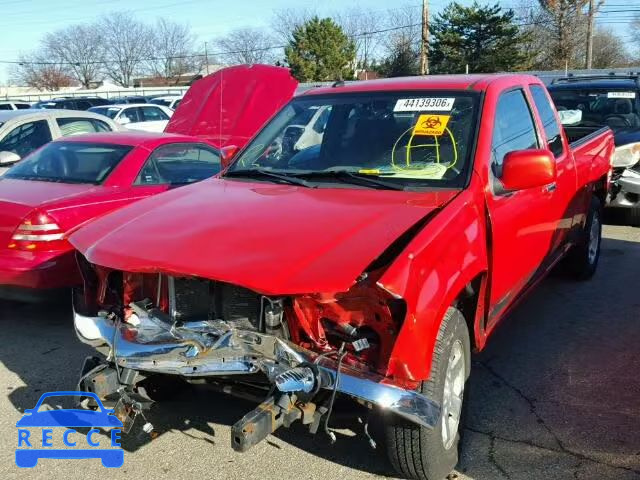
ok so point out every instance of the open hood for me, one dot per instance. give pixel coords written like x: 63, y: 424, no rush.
x: 229, y: 106
x: 271, y: 238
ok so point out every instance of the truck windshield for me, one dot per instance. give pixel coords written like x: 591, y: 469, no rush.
x: 393, y: 139
x: 617, y: 109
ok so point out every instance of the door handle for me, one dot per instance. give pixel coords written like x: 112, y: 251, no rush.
x: 550, y: 188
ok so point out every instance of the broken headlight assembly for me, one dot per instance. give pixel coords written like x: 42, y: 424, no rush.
x: 626, y: 156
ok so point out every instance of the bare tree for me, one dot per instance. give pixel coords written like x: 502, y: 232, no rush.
x: 285, y: 21
x: 609, y: 50
x: 126, y: 46
x: 36, y: 70
x: 81, y: 47
x: 565, y: 22
x: 172, y: 52
x: 361, y: 26
x: 404, y: 27
x: 247, y: 45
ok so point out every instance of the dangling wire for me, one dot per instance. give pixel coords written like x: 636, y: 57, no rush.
x: 342, y: 353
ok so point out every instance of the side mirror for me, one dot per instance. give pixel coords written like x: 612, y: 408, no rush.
x: 9, y: 158
x: 227, y: 154
x: 528, y: 169
x: 124, y: 120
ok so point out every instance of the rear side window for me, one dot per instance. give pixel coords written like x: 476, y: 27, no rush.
x: 5, y: 106
x: 153, y: 114
x: 82, y: 105
x: 131, y: 114
x: 549, y: 122
x: 179, y: 164
x: 22, y: 106
x: 513, y: 128
x: 26, y: 138
x: 78, y: 126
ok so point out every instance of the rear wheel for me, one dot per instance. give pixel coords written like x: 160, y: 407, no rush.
x: 415, y: 451
x: 582, y: 260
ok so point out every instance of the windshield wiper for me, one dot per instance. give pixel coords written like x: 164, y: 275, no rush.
x: 260, y: 172
x: 348, y: 176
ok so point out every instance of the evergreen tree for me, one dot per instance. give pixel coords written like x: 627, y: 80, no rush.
x: 320, y: 51
x: 483, y: 37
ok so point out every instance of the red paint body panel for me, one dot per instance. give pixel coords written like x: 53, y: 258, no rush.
x: 321, y: 240
x: 230, y: 105
x: 283, y: 240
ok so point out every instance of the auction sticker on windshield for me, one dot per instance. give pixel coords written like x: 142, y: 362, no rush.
x: 621, y: 95
x: 428, y: 124
x: 424, y: 104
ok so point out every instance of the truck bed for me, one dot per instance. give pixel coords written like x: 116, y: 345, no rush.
x: 577, y: 135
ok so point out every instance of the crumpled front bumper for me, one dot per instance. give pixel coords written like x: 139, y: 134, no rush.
x: 213, y: 348
x: 628, y: 190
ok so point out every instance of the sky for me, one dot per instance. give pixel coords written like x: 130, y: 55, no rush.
x: 23, y: 23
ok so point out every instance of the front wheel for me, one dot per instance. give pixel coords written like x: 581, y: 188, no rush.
x: 420, y: 453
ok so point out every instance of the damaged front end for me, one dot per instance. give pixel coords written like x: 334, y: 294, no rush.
x: 625, y: 181
x: 301, y: 351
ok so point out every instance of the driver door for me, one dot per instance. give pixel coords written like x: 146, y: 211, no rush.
x: 522, y: 222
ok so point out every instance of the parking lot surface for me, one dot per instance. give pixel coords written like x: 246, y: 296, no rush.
x: 555, y: 395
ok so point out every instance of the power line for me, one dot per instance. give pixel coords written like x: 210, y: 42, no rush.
x: 196, y: 55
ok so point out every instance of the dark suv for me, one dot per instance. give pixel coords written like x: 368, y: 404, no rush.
x: 73, y: 103
x: 588, y: 102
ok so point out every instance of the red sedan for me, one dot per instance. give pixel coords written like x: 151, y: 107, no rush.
x: 69, y: 182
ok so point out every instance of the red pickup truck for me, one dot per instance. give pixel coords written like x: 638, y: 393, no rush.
x: 363, y: 243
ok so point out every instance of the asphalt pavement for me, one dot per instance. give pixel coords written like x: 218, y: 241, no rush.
x: 556, y: 395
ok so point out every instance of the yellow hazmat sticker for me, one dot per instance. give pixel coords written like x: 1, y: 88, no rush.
x: 431, y: 124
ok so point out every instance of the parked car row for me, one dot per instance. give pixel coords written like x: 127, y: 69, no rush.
x: 85, y: 103
x: 147, y: 117
x: 360, y: 243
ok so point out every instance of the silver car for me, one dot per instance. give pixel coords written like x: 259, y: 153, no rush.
x: 23, y: 131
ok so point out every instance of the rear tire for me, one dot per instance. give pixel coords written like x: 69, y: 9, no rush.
x: 415, y: 451
x: 582, y: 260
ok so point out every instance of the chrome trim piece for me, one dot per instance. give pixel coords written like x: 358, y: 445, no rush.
x: 38, y: 238
x: 45, y: 227
x: 210, y: 348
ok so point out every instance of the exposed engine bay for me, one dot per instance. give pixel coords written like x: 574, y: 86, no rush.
x: 301, y: 350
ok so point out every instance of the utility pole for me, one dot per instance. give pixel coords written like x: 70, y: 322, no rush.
x: 590, y: 35
x: 424, y: 52
x: 206, y: 58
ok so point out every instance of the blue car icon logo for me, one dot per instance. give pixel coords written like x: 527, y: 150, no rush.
x: 69, y: 419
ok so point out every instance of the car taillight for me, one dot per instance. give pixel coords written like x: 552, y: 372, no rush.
x: 38, y: 232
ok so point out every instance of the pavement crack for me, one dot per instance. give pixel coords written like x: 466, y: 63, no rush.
x: 492, y: 457
x: 579, y: 456
x: 529, y: 401
x: 51, y: 350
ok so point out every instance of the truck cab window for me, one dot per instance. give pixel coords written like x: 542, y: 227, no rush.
x: 550, y: 124
x: 513, y: 128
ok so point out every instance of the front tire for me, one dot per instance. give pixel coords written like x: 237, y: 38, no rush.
x: 415, y: 451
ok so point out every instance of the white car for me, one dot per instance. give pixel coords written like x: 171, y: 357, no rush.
x: 14, y: 105
x: 23, y: 131
x: 137, y: 116
x: 170, y: 101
